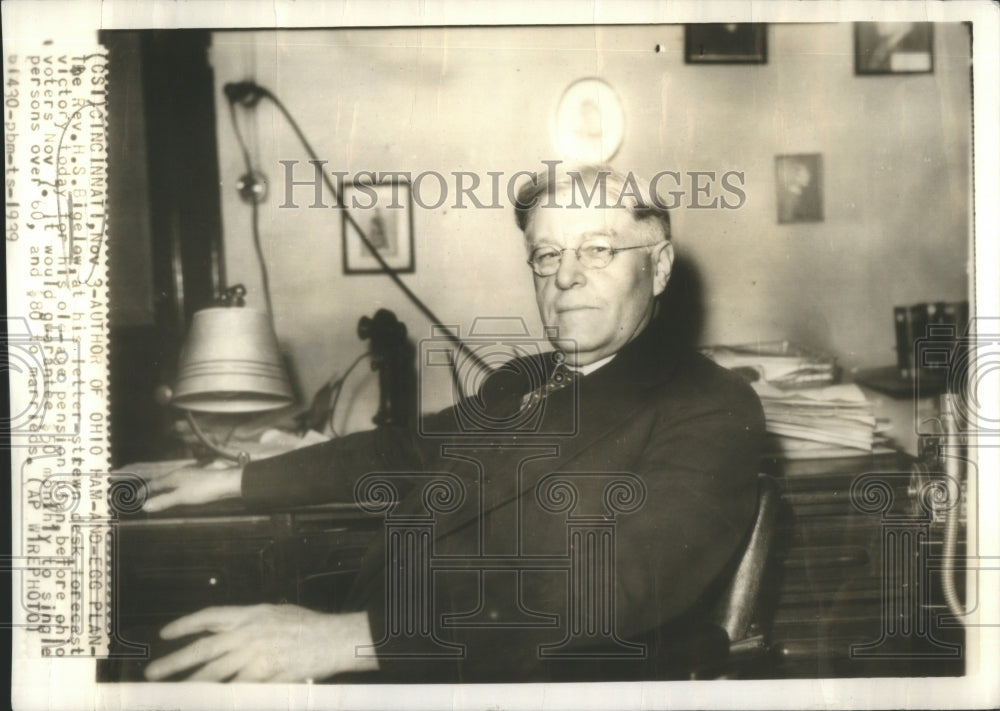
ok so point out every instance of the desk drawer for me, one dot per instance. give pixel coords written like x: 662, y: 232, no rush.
x: 167, y: 570
x: 325, y: 559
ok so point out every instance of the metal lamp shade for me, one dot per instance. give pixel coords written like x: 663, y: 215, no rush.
x: 231, y: 363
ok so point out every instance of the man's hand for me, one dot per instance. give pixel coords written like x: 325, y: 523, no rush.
x: 280, y: 643
x: 193, y: 485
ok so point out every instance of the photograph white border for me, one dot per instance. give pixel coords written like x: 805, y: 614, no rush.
x: 52, y: 684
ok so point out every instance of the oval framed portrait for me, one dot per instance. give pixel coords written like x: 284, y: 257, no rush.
x: 589, y: 122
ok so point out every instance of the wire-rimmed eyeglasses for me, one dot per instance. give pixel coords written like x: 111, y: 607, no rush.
x: 545, y: 260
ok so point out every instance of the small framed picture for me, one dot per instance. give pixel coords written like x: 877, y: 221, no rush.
x: 725, y: 43
x: 893, y: 48
x: 799, y: 181
x: 384, y: 212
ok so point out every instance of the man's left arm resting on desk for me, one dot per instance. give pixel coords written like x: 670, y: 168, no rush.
x: 278, y: 642
x: 324, y: 473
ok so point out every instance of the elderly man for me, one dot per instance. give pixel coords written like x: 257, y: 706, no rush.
x: 620, y: 405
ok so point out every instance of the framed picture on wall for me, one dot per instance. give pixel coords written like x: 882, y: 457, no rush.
x: 725, y: 43
x: 799, y: 180
x: 384, y: 211
x: 893, y: 47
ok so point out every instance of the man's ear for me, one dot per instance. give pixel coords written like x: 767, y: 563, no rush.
x: 663, y: 262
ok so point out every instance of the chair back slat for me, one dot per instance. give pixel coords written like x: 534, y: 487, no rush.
x: 741, y: 599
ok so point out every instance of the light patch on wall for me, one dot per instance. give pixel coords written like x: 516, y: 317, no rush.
x: 799, y: 187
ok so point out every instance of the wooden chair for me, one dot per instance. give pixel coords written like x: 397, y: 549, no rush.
x: 739, y: 612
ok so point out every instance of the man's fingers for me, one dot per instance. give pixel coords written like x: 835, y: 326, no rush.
x: 163, y: 501
x: 161, y: 483
x: 173, y: 490
x: 193, y: 655
x: 211, y: 619
x: 223, y: 667
x: 195, y: 486
x: 256, y: 670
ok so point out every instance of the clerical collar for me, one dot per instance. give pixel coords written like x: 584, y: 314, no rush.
x: 591, y: 367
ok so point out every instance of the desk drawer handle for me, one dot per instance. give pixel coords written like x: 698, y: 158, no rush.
x: 829, y: 557
x: 309, y: 527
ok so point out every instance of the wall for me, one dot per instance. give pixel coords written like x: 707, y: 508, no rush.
x: 895, y: 155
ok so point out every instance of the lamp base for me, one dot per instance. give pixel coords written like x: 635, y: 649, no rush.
x: 242, y: 457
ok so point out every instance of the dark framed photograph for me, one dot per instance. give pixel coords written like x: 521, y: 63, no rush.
x: 384, y: 212
x: 799, y: 183
x: 725, y: 43
x: 893, y: 48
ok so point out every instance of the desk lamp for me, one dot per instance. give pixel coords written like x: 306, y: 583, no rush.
x: 230, y: 363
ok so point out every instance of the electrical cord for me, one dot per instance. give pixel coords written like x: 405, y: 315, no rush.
x: 338, y: 387
x: 948, y: 585
x: 954, y: 467
x: 249, y: 94
x: 255, y: 211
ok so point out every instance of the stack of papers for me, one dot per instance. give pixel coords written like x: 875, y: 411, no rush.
x: 780, y: 364
x: 833, y: 421
x: 808, y: 417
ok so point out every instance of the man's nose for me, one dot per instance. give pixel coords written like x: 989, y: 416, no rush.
x: 570, y: 272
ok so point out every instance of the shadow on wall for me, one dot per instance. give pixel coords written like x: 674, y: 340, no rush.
x: 682, y: 304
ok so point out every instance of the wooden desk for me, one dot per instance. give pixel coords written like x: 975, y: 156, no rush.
x: 171, y: 564
x: 828, y: 590
x: 842, y: 574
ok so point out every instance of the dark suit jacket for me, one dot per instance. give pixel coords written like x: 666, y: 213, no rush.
x: 687, y: 430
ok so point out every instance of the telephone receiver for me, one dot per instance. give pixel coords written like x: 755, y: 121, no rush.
x: 393, y: 356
